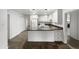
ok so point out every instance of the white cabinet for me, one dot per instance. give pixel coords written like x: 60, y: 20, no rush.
x: 41, y: 36
x: 43, y: 18
x: 58, y: 35
x: 34, y: 22
x: 45, y: 36
x: 57, y: 16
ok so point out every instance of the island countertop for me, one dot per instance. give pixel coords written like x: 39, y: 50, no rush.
x: 51, y: 28
x: 47, y: 34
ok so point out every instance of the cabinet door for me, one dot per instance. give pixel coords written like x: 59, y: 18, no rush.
x: 60, y: 16
x: 58, y: 35
x: 55, y: 17
x: 73, y: 25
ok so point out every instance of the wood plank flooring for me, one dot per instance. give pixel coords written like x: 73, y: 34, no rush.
x: 45, y: 45
x: 18, y: 41
x: 73, y: 42
x: 21, y: 42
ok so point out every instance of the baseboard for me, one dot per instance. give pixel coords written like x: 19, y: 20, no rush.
x: 17, y: 34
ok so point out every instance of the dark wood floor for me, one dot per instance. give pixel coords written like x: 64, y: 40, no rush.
x: 45, y: 45
x: 73, y: 42
x: 21, y: 42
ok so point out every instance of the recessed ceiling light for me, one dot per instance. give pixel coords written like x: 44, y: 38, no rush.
x: 33, y: 9
x: 45, y: 9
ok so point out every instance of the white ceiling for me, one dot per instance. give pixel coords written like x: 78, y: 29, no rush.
x: 34, y: 11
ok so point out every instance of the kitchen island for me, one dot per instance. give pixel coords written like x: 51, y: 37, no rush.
x: 46, y: 34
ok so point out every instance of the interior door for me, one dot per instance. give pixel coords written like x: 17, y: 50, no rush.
x: 73, y: 25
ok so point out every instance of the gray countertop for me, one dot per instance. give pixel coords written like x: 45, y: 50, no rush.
x: 51, y: 28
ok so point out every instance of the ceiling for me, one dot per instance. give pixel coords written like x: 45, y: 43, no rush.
x: 34, y: 11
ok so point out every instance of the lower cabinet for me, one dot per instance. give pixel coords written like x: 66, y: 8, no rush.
x: 45, y: 36
x: 58, y: 35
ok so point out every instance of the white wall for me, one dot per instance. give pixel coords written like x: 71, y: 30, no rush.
x: 3, y: 29
x: 27, y: 21
x: 17, y: 23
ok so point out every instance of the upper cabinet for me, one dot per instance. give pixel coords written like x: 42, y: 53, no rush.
x: 33, y: 22
x: 57, y: 16
x: 43, y: 18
